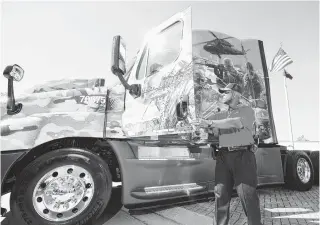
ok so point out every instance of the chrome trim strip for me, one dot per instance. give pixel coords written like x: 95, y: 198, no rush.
x: 172, y: 188
x: 162, y: 159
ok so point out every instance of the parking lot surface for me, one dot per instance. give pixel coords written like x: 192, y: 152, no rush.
x: 279, y: 206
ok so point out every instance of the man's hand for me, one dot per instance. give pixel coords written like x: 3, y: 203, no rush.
x: 222, y: 124
x: 204, y: 123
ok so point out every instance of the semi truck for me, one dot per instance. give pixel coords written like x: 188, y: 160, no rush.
x: 64, y: 142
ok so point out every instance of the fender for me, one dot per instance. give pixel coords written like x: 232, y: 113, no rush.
x: 123, y: 151
x: 68, y: 108
x: 12, y: 162
x: 52, y: 115
x: 32, y: 131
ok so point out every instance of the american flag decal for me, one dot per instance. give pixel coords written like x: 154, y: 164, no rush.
x: 280, y: 61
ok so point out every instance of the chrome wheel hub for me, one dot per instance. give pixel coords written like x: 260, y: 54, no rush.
x: 63, y: 193
x: 303, y: 170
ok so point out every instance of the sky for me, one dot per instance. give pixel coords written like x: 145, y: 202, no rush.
x: 56, y: 40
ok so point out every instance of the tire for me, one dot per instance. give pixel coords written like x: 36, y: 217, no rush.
x: 84, y: 202
x: 314, y: 156
x: 292, y: 179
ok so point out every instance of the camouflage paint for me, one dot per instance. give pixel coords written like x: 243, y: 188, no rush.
x: 54, y: 110
x: 115, y: 109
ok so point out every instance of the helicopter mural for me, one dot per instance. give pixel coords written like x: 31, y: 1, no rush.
x: 219, y: 46
x: 225, y: 59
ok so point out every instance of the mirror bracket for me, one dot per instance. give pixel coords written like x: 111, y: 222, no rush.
x: 12, y: 108
x: 13, y: 72
x: 118, y: 66
x: 17, y: 108
x: 135, y: 90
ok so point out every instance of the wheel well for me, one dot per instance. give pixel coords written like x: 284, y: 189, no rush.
x: 284, y: 157
x: 96, y: 145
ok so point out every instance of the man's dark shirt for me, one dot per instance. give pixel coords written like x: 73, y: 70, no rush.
x: 236, y: 137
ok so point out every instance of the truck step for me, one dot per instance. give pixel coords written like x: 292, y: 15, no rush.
x: 162, y: 192
x: 173, y: 188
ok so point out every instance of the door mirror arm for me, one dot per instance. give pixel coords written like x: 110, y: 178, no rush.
x: 134, y: 89
x: 118, y: 65
x: 14, y: 72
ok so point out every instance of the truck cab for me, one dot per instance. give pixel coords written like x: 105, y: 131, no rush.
x: 65, y: 142
x: 175, y: 79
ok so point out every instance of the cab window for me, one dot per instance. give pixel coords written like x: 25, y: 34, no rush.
x: 161, y: 51
x: 141, y: 70
x: 164, y: 48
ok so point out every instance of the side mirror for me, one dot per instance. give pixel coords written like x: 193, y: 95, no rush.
x: 14, y: 72
x: 118, y: 64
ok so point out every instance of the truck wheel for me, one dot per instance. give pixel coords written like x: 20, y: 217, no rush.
x: 299, y: 171
x: 66, y: 186
x: 314, y: 156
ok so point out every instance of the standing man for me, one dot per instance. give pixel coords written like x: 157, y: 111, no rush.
x: 235, y: 161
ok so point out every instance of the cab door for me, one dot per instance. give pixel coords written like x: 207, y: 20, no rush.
x: 164, y: 71
x: 153, y: 171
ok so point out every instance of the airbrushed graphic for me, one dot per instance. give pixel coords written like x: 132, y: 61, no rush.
x: 217, y: 60
x: 200, y: 63
x: 165, y: 82
x: 161, y: 97
x: 220, y: 59
x: 57, y: 109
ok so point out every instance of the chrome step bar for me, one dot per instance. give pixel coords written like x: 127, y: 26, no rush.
x: 169, y: 191
x: 173, y: 188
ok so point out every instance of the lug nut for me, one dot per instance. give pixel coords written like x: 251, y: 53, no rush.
x: 88, y: 185
x: 59, y: 215
x: 75, y: 210
x: 45, y: 211
x: 39, y: 199
x: 82, y: 175
x: 43, y: 185
x: 85, y: 199
x: 55, y: 174
x: 69, y: 171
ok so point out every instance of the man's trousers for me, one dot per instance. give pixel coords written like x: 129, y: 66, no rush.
x: 236, y: 169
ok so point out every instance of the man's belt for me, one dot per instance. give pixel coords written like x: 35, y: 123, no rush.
x: 235, y: 148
